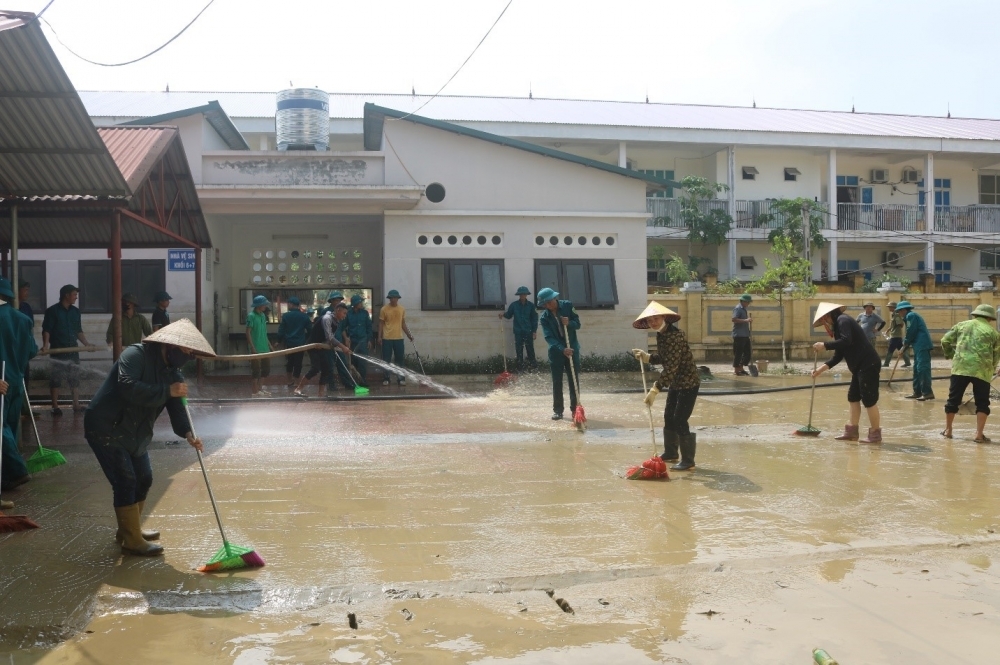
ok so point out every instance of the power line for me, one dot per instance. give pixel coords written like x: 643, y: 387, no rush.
x: 129, y: 62
x: 464, y: 62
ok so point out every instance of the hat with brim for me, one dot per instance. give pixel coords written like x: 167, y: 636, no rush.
x: 746, y: 297
x: 260, y: 301
x: 985, y: 311
x: 891, y: 305
x: 903, y: 304
x: 334, y: 295
x: 356, y: 300
x: 5, y: 289
x: 544, y: 296
x: 183, y: 333
x: 161, y: 296
x: 823, y: 309
x: 393, y: 294
x: 522, y: 291
x: 294, y: 300
x: 130, y: 298
x: 655, y: 309
x: 869, y: 304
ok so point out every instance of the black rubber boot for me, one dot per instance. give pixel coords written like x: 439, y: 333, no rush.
x: 688, y: 443
x: 670, y: 443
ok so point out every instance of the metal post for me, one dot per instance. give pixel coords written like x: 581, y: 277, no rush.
x: 116, y: 284
x: 197, y: 298
x: 13, y: 255
x: 831, y: 202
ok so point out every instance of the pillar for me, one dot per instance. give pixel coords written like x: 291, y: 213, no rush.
x: 831, y: 202
x: 731, y: 205
x: 116, y: 284
x: 198, y: 251
x: 622, y: 155
x: 929, y: 194
x: 929, y: 258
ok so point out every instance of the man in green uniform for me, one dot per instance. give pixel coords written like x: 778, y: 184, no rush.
x: 558, y: 317
x: 160, y: 316
x: 525, y: 326
x: 292, y: 331
x: 919, y: 339
x: 17, y: 347
x: 974, y: 349
x: 896, y: 326
x: 257, y: 342
x: 357, y: 327
x: 135, y: 326
x: 61, y: 329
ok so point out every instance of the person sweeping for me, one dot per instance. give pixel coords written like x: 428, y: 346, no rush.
x: 973, y: 347
x: 17, y: 347
x: 851, y: 345
x: 559, y: 315
x: 919, y: 339
x: 679, y: 377
x: 525, y: 318
x: 896, y: 327
x: 118, y: 424
x: 292, y: 332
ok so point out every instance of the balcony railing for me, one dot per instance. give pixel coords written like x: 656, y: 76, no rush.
x: 850, y: 216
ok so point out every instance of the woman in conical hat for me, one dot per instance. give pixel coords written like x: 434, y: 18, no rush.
x: 851, y: 344
x: 118, y: 423
x: 679, y: 377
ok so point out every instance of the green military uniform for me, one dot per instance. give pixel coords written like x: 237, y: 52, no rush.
x: 134, y: 328
x: 17, y: 347
x: 896, y: 325
x: 525, y: 319
x: 559, y: 364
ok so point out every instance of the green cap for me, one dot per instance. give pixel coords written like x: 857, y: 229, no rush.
x: 746, y: 297
x: 985, y: 311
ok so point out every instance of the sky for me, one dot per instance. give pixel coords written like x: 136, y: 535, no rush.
x: 889, y: 56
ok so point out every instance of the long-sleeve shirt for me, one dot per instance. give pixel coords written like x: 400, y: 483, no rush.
x: 674, y: 354
x: 896, y: 326
x: 553, y: 330
x: 294, y: 328
x: 358, y: 326
x: 131, y: 398
x: 525, y: 316
x: 917, y: 335
x: 133, y: 329
x: 973, y: 347
x: 17, y: 345
x: 850, y: 344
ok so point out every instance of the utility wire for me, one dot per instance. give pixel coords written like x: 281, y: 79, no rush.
x: 129, y: 62
x: 464, y: 62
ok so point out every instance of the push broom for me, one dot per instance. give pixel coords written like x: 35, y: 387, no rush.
x: 358, y: 390
x: 10, y: 523
x: 229, y: 557
x: 505, y: 377
x: 579, y: 416
x: 809, y: 430
x: 654, y: 468
x: 44, y: 458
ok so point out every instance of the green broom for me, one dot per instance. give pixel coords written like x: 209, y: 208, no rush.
x: 44, y: 458
x: 358, y: 390
x: 229, y: 556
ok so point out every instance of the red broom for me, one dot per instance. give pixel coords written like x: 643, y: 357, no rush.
x: 11, y: 523
x: 505, y: 377
x: 579, y: 416
x: 654, y: 468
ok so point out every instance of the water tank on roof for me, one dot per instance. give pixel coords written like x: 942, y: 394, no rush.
x: 302, y: 120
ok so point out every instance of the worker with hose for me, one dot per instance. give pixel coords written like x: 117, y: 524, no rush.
x: 391, y: 328
x: 679, y: 377
x: 919, y: 339
x: 973, y: 347
x: 292, y: 332
x: 525, y: 318
x: 118, y: 424
x: 357, y: 327
x: 333, y: 299
x: 17, y: 347
x: 560, y: 315
x: 850, y: 344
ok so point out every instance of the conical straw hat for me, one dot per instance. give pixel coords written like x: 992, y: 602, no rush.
x: 183, y: 333
x: 655, y: 309
x: 824, y: 309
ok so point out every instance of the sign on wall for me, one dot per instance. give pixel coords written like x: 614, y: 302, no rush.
x: 180, y: 260
x: 297, y: 267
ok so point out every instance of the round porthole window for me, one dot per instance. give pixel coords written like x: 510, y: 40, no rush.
x: 481, y: 240
x: 437, y: 240
x: 553, y: 240
x: 596, y: 240
x: 539, y: 240
x: 610, y: 240
x: 496, y: 240
x: 422, y: 240
x: 466, y: 240
x: 581, y: 240
x: 568, y: 240
x: 434, y: 192
x: 452, y: 240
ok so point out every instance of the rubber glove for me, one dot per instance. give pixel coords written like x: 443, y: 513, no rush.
x: 640, y: 355
x: 651, y: 396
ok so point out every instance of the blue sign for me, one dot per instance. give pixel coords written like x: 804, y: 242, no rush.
x: 180, y: 260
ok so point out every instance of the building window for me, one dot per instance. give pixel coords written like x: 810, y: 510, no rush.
x: 792, y: 174
x: 589, y: 284
x: 989, y: 189
x: 664, y: 175
x: 942, y: 192
x: 747, y: 263
x: 989, y: 259
x: 750, y: 173
x: 34, y: 272
x: 461, y: 284
x: 942, y: 271
x: 141, y: 277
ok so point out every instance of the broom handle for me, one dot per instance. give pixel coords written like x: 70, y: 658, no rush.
x: 417, y: 353
x: 204, y: 473
x: 34, y: 426
x: 812, y: 394
x: 649, y: 409
x: 503, y: 347
x: 893, y: 372
x: 344, y: 365
x: 572, y: 371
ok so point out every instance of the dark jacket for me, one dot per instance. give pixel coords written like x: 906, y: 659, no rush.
x: 525, y: 316
x: 294, y: 328
x: 674, y: 354
x: 553, y: 329
x: 130, y: 400
x: 358, y: 326
x: 851, y: 344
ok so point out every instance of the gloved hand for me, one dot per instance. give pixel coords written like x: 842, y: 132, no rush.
x: 651, y: 396
x: 640, y: 355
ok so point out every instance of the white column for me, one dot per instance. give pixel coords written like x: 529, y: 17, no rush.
x: 929, y: 210
x: 622, y: 156
x: 831, y: 202
x: 731, y: 204
x: 263, y: 142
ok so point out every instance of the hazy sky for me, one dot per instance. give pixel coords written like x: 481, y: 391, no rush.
x: 912, y: 56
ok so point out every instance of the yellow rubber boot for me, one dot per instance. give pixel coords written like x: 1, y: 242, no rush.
x: 132, y: 540
x: 146, y: 535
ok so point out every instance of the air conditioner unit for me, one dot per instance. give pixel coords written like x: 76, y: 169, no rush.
x: 880, y: 175
x: 891, y: 258
x: 912, y: 175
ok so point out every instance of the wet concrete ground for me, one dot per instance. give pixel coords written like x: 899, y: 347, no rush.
x: 441, y: 524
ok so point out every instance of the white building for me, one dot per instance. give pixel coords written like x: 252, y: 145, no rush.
x: 878, y: 169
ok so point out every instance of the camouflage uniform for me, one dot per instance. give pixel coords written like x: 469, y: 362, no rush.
x: 974, y: 349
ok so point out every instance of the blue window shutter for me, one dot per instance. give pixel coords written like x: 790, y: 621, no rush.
x: 920, y: 266
x: 852, y: 181
x: 937, y: 197
x: 946, y: 183
x: 866, y: 194
x: 854, y: 265
x: 946, y: 198
x: 947, y: 265
x: 868, y: 276
x: 841, y: 265
x: 937, y: 183
x: 921, y: 198
x: 841, y: 181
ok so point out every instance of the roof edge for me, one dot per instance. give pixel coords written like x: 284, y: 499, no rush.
x: 214, y: 114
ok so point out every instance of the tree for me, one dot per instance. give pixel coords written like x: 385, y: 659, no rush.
x: 706, y: 225
x: 789, y: 213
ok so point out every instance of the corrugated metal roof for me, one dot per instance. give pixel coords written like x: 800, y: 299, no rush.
x: 136, y: 149
x: 214, y: 115
x: 564, y: 112
x: 48, y: 145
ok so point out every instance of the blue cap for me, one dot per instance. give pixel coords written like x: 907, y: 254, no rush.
x: 394, y: 294
x: 334, y: 294
x: 260, y: 300
x: 522, y: 291
x: 545, y: 295
x: 356, y: 300
x: 5, y: 288
x: 161, y: 296
x: 903, y: 304
x: 294, y: 300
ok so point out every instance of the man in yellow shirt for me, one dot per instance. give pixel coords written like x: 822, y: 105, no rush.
x: 391, y: 327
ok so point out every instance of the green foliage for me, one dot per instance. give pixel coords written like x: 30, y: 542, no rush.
x: 872, y: 285
x: 708, y: 227
x: 789, y: 213
x: 792, y: 270
x: 679, y: 271
x: 730, y: 287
